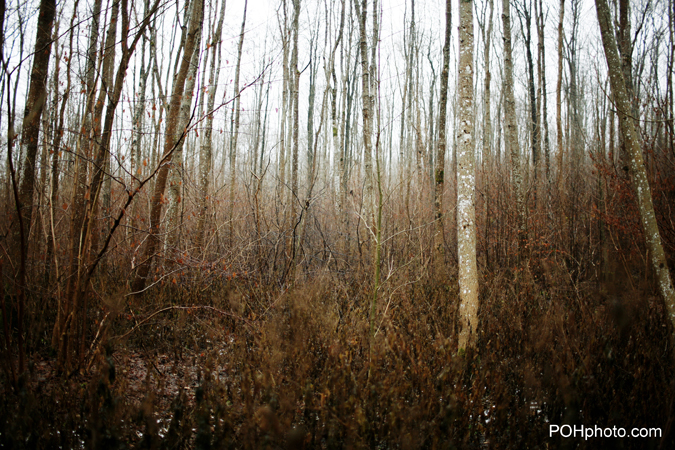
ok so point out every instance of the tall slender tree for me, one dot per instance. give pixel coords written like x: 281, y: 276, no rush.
x: 466, y: 184
x: 206, y: 147
x: 170, y: 143
x: 35, y: 102
x: 234, y: 129
x: 439, y: 175
x: 637, y: 167
x: 558, y: 102
x: 367, y: 106
x: 511, y: 130
x: 176, y: 175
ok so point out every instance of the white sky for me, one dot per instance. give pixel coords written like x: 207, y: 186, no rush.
x: 262, y: 40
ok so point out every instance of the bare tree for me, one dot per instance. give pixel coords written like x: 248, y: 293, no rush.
x: 30, y: 132
x: 511, y: 130
x: 176, y: 174
x: 439, y: 176
x: 637, y: 168
x: 73, y: 324
x: 525, y: 16
x: 234, y: 130
x: 558, y: 99
x: 543, y: 103
x: 487, y: 156
x: 170, y: 143
x: 367, y: 108
x: 466, y: 185
x: 35, y: 102
x: 206, y: 148
x: 295, y: 119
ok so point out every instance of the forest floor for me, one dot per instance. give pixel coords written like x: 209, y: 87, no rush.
x: 305, y: 373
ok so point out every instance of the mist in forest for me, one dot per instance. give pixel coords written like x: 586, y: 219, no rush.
x: 337, y: 224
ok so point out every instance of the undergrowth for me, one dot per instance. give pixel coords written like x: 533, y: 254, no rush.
x: 298, y: 369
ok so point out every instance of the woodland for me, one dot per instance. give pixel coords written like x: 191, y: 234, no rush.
x: 336, y: 223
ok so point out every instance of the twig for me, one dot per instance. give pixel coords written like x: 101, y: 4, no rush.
x: 170, y: 308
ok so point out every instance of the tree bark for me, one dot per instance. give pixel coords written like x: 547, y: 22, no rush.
x: 206, y: 149
x: 366, y: 108
x: 152, y: 243
x: 511, y: 131
x: 637, y: 168
x: 35, y: 102
x: 235, y: 133
x: 525, y: 12
x: 295, y: 119
x: 558, y: 103
x: 439, y: 175
x: 466, y: 185
x: 284, y: 100
x: 543, y: 102
x: 78, y: 200
x: 174, y: 210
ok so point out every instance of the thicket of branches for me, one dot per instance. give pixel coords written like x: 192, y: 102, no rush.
x: 277, y: 213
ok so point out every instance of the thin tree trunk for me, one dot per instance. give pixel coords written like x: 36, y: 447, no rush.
x: 78, y: 200
x: 511, y: 131
x: 487, y: 125
x: 56, y: 154
x: 367, y: 112
x: 343, y: 146
x: 558, y: 104
x: 235, y: 133
x: 637, y: 168
x: 526, y: 30
x: 295, y: 120
x: 30, y: 132
x: 284, y: 101
x: 206, y: 150
x: 139, y: 119
x: 35, y: 102
x: 152, y: 243
x: 466, y: 179
x: 176, y: 174
x: 431, y: 132
x: 311, y: 99
x: 439, y: 175
x: 543, y: 102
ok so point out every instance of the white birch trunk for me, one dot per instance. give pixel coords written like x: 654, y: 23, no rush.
x: 466, y: 185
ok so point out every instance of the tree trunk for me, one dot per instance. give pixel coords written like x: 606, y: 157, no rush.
x: 35, y: 102
x: 152, y: 243
x: 543, y: 90
x: 295, y: 119
x: 439, y: 176
x: 79, y: 196
x: 487, y: 162
x: 367, y: 112
x: 174, y: 211
x: 525, y: 12
x: 511, y: 131
x: 30, y: 131
x: 558, y: 104
x: 206, y: 149
x: 466, y: 179
x: 234, y: 135
x: 137, y: 137
x: 284, y: 101
x: 637, y: 168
